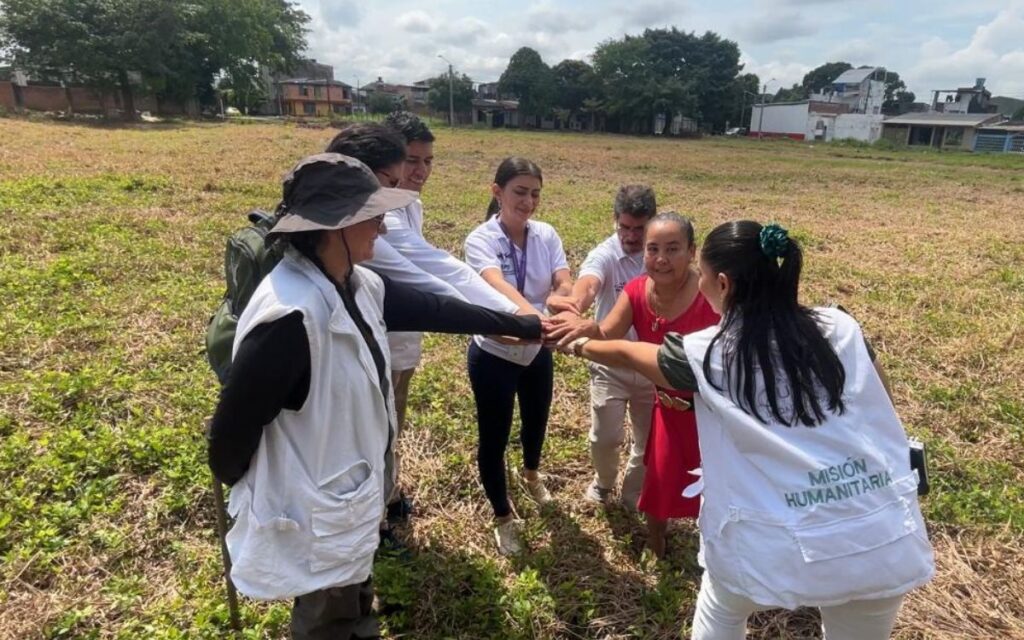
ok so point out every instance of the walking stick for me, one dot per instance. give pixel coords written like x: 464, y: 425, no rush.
x: 222, y: 531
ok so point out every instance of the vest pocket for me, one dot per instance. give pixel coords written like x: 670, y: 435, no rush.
x: 345, y: 525
x: 847, y: 537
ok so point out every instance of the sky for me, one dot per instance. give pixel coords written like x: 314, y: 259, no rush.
x: 939, y: 44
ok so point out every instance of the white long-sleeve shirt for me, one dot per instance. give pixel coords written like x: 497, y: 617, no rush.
x: 404, y: 255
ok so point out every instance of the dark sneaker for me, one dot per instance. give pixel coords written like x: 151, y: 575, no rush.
x: 399, y: 510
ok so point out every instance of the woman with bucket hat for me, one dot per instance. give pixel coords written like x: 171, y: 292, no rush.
x: 306, y: 420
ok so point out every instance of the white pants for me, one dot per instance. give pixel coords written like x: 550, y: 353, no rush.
x: 613, y: 392
x: 722, y: 615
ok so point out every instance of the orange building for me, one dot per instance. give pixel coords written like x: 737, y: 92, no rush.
x: 314, y: 98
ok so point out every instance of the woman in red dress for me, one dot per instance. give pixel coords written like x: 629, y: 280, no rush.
x: 664, y: 300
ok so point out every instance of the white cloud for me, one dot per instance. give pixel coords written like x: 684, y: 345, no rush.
x: 654, y: 13
x: 549, y: 19
x: 466, y: 31
x: 341, y: 13
x: 416, y: 22
x: 775, y: 73
x: 995, y: 52
x: 773, y: 26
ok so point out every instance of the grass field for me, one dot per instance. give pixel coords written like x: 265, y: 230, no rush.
x: 110, y: 263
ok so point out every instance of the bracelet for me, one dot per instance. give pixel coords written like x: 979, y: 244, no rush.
x: 577, y: 346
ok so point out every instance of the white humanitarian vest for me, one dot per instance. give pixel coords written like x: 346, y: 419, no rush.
x: 308, y: 509
x: 798, y: 516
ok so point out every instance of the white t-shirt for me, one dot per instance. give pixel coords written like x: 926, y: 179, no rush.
x: 405, y: 256
x: 487, y: 247
x: 613, y: 268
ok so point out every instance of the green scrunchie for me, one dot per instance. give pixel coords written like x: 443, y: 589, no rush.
x: 774, y: 241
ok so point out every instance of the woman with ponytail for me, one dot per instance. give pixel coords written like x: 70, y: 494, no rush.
x: 808, y: 494
x: 522, y: 259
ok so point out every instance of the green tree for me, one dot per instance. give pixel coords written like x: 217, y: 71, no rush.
x: 530, y: 80
x: 745, y: 93
x: 897, y: 99
x: 380, y: 102
x: 574, y: 83
x: 174, y: 48
x: 668, y: 71
x: 437, y: 95
x: 1018, y: 114
x: 793, y: 94
x: 821, y: 77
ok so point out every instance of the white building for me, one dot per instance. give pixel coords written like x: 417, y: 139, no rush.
x: 849, y: 108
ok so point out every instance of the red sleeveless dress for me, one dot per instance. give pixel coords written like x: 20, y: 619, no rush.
x: 672, y: 449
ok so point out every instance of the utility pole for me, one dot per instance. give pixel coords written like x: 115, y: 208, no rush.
x: 451, y: 92
x: 760, y: 115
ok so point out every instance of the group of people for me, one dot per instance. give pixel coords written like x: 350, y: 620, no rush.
x: 768, y: 421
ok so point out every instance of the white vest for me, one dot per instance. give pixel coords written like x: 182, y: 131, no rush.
x: 798, y: 516
x: 308, y: 509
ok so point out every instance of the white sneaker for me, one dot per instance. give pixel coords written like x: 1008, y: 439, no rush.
x: 595, y: 493
x: 537, y: 490
x: 508, y: 537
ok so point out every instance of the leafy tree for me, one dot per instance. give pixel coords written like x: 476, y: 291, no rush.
x: 530, y: 80
x: 820, y: 77
x: 437, y: 95
x: 897, y: 98
x: 668, y: 71
x: 172, y: 47
x: 745, y: 93
x: 793, y: 94
x: 1018, y: 114
x: 574, y: 84
x: 381, y: 102
x: 637, y: 85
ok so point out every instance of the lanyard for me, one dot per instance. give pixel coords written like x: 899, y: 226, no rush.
x: 518, y: 264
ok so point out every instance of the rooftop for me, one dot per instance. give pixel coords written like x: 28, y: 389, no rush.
x: 319, y: 81
x: 854, y: 76
x: 944, y: 119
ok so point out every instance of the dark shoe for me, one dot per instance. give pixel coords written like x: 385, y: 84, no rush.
x: 392, y: 547
x: 400, y: 510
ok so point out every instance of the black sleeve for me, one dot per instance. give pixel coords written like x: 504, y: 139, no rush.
x: 269, y: 373
x: 409, y: 309
x: 674, y: 365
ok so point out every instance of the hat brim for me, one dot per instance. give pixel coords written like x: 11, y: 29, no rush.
x: 380, y: 202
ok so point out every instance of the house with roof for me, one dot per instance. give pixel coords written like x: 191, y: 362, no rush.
x: 1005, y: 137
x: 976, y: 99
x: 413, y: 95
x: 314, y: 97
x: 850, y: 107
x: 937, y: 130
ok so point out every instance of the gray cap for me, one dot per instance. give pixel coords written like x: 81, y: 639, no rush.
x: 332, y: 191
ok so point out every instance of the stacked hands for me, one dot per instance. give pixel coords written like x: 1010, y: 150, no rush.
x: 563, y: 327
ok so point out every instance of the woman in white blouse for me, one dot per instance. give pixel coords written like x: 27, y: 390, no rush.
x: 522, y: 259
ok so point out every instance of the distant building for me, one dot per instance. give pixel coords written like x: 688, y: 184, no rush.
x: 487, y: 91
x: 496, y: 113
x: 313, y: 97
x: 860, y: 90
x: 937, y: 130
x: 1005, y: 137
x: 414, y: 95
x: 850, y: 107
x: 974, y: 99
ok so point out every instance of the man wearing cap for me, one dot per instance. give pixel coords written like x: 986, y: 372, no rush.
x: 306, y: 419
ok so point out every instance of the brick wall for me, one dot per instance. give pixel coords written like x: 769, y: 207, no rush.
x: 7, y: 95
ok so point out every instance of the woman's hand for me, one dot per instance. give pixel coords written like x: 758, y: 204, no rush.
x: 560, y: 331
x: 558, y: 304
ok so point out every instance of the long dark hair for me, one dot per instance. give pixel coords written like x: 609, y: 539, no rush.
x: 765, y: 333
x: 510, y: 168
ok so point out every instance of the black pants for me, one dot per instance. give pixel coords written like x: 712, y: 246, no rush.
x: 496, y: 384
x: 337, y: 613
